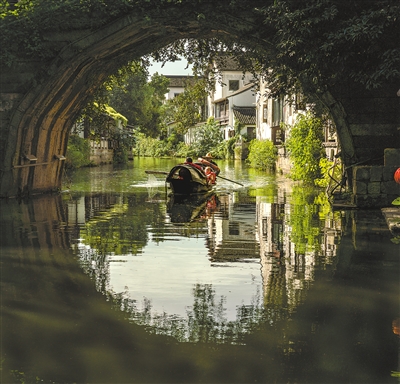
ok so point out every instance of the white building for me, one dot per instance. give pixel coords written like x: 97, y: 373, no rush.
x: 272, y: 112
x: 177, y: 85
x: 233, y: 100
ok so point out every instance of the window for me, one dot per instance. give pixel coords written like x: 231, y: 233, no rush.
x: 299, y: 102
x: 278, y: 135
x: 251, y: 133
x: 233, y: 85
x: 265, y: 113
x: 222, y: 109
x: 218, y: 110
x: 277, y: 112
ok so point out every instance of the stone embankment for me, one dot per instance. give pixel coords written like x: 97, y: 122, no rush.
x: 374, y: 185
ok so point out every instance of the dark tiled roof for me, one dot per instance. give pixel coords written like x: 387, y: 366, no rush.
x: 245, y: 115
x: 179, y: 81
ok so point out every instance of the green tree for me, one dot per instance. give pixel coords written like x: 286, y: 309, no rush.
x: 305, y: 148
x: 262, y: 154
x: 140, y: 100
x: 187, y: 109
x: 101, y: 120
x: 139, y: 103
x: 149, y: 146
x: 208, y: 138
x: 326, y: 42
x: 307, y: 45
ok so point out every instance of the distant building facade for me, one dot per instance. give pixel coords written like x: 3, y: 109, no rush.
x: 239, y: 107
x: 102, y: 150
x: 234, y: 100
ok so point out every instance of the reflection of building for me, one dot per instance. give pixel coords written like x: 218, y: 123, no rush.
x: 82, y: 208
x: 286, y: 273
x: 232, y: 234
x: 252, y: 230
x: 240, y: 231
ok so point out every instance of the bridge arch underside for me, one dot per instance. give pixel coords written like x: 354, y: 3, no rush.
x: 40, y: 103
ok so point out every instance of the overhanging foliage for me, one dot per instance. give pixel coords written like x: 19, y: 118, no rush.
x: 314, y: 44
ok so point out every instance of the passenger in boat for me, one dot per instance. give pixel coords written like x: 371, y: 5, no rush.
x: 208, y: 162
x: 189, y: 161
x: 211, y: 176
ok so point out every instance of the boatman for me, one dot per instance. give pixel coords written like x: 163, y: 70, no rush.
x: 189, y: 161
x: 207, y: 161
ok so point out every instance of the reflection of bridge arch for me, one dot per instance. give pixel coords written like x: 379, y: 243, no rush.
x: 41, y: 100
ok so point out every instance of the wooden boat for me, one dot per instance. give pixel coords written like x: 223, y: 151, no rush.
x: 186, y: 180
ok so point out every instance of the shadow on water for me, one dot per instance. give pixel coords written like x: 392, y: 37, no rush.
x: 325, y: 309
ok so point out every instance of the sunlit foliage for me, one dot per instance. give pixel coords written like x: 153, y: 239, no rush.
x: 187, y: 108
x: 305, y: 148
x: 78, y: 152
x: 262, y: 154
x: 208, y: 138
x: 140, y: 100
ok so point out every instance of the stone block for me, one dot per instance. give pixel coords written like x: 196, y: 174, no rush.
x: 361, y: 201
x: 376, y: 173
x: 374, y: 188
x: 361, y: 173
x: 392, y: 157
x: 360, y: 188
x: 379, y: 201
x: 390, y: 187
x: 388, y: 173
x: 371, y: 201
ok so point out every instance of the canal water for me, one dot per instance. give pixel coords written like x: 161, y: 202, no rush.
x: 115, y: 281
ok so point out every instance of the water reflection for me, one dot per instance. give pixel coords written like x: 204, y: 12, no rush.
x: 184, y: 209
x: 268, y: 285
x: 242, y: 253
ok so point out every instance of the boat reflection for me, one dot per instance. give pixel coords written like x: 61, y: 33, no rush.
x: 185, y: 209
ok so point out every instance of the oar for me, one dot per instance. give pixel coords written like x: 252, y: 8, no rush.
x: 157, y: 172
x: 229, y: 180
x: 166, y: 173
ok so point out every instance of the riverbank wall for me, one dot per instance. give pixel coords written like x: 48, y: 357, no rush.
x: 374, y: 185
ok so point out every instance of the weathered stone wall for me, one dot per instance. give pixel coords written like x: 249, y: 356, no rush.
x: 367, y: 122
x: 374, y: 185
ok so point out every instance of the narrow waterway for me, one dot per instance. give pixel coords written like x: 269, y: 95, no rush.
x: 115, y: 281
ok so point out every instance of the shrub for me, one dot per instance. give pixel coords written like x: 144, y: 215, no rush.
x: 305, y: 148
x: 148, y: 147
x: 78, y: 152
x: 230, y: 147
x: 182, y: 150
x: 262, y: 154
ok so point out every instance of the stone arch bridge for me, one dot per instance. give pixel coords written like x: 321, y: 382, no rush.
x: 39, y: 102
